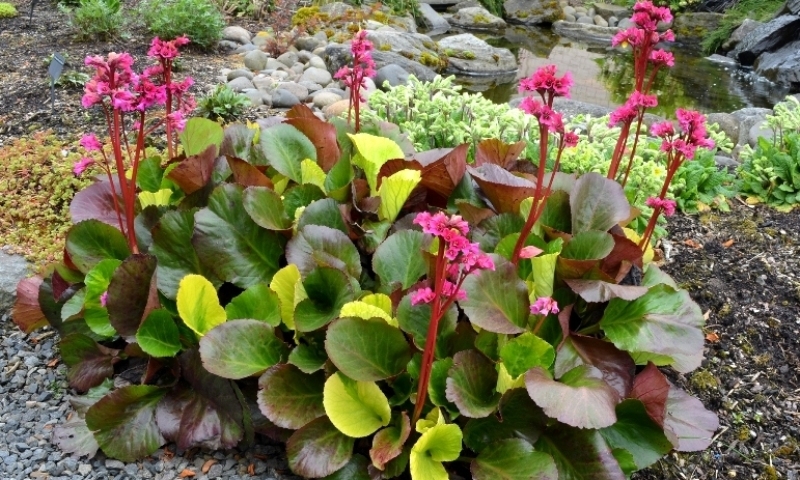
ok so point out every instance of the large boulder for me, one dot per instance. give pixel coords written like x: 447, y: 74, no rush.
x: 781, y: 66
x: 747, y: 26
x: 694, y: 26
x: 607, y: 10
x: 766, y: 38
x: 432, y: 20
x: 469, y: 55
x: 13, y: 269
x: 336, y: 56
x: 588, y: 33
x: 412, y: 46
x: 793, y: 6
x: 477, y: 18
x: 748, y: 118
x: 533, y: 12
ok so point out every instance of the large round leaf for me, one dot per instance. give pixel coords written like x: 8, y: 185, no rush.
x: 388, y: 443
x: 284, y: 147
x: 92, y: 241
x: 231, y: 244
x: 513, y: 459
x: 124, y: 422
x: 524, y: 352
x: 580, y: 454
x: 497, y: 300
x: 158, y: 336
x: 241, y: 348
x: 199, y: 134
x: 689, y: 426
x: 89, y: 362
x: 597, y: 203
x: 265, y: 207
x: 441, y: 443
x: 258, y: 302
x: 414, y: 320
x: 94, y: 312
x: 290, y: 398
x: 589, y: 245
x: 317, y: 246
x: 519, y: 417
x: 617, y: 366
x: 367, y: 350
x: 198, y: 304
x: 471, y: 384
x: 399, y: 260
x: 132, y: 293
x: 356, y: 469
x: 356, y: 408
x: 327, y: 289
x: 318, y: 449
x: 637, y: 433
x: 324, y: 212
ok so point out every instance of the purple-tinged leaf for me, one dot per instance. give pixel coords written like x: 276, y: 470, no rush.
x: 688, y: 425
x: 497, y: 300
x: 471, y: 384
x: 290, y: 398
x: 637, y: 433
x: 194, y: 172
x: 325, y: 212
x: 124, y: 422
x: 356, y: 469
x: 27, y: 314
x: 581, y: 398
x: 496, y: 152
x: 651, y: 387
x: 240, y: 348
x: 89, y: 362
x: 580, y: 454
x: 387, y: 444
x: 617, y: 366
x: 400, y: 260
x: 132, y: 294
x: 442, y: 171
x: 96, y: 202
x: 367, y: 350
x: 625, y: 254
x: 317, y: 246
x: 318, y: 449
x: 322, y: 135
x: 518, y: 417
x: 664, y: 326
x: 505, y: 190
x: 247, y: 175
x: 597, y: 203
x: 266, y: 208
x: 75, y: 437
x: 92, y: 241
x: 513, y: 459
x: 237, y: 141
x: 597, y: 291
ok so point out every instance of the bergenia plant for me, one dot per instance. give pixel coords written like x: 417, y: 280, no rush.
x: 355, y: 77
x: 128, y: 102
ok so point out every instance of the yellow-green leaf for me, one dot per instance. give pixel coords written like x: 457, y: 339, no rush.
x: 356, y: 409
x: 394, y: 192
x: 544, y: 268
x: 506, y: 382
x: 312, y: 173
x: 363, y: 310
x: 198, y: 304
x: 433, y: 418
x: 441, y: 443
x: 372, y: 153
x: 158, y: 198
x: 287, y: 284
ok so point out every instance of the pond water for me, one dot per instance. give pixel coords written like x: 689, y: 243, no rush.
x: 604, y: 76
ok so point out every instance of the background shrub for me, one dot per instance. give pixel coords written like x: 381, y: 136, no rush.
x: 97, y: 18
x: 7, y: 10
x: 200, y: 20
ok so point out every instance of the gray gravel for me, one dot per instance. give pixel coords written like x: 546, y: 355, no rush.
x: 34, y: 399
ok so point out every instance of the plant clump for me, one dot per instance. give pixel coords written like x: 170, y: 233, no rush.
x: 8, y: 10
x: 199, y: 20
x: 223, y: 104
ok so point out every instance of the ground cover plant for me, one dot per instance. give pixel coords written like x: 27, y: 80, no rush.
x: 380, y: 309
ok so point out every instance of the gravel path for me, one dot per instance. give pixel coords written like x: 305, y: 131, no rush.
x: 34, y: 399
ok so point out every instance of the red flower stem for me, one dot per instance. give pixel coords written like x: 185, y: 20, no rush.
x: 113, y: 192
x: 167, y: 67
x: 537, y: 196
x: 651, y: 224
x: 618, y: 151
x: 430, y: 340
x: 633, y: 151
x: 127, y: 197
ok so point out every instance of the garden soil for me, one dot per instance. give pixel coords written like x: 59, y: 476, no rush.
x: 742, y: 267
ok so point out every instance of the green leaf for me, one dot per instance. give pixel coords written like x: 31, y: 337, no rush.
x: 229, y: 242
x: 258, y: 302
x: 471, y: 384
x: 299, y: 197
x: 597, y: 203
x: 89, y: 362
x: 497, y: 300
x: 372, y: 153
x: 91, y: 241
x: 131, y: 293
x: 198, y: 304
x: 324, y: 212
x: 388, y: 443
x: 437, y: 387
x: 241, y: 348
x: 265, y: 207
x: 637, y: 433
x: 124, y: 422
x: 288, y: 286
x: 308, y: 358
x: 356, y: 469
x: 95, y: 314
x: 357, y: 409
x: 149, y: 175
x: 581, y: 398
x: 237, y: 141
x: 394, y: 192
x: 490, y: 231
x: 664, y: 326
x: 289, y: 398
x: 415, y: 319
x: 158, y: 336
x: 589, y: 245
x: 524, y: 352
x: 311, y: 173
x: 73, y: 306
x: 513, y: 459
x: 318, y: 449
x: 285, y: 148
x: 316, y: 246
x: 399, y: 261
x: 199, y: 134
x: 328, y: 290
x: 519, y: 418
x: 441, y: 443
x: 580, y: 454
x: 367, y: 350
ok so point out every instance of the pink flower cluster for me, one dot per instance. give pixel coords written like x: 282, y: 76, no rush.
x: 693, y: 134
x: 545, y: 82
x: 646, y: 18
x: 167, y: 50
x: 632, y: 109
x: 363, y: 65
x: 544, y: 306
x: 462, y: 256
x: 668, y: 206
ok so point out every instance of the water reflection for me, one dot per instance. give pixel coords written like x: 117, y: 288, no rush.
x: 604, y: 76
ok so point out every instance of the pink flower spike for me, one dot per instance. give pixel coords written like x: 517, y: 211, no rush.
x: 529, y: 252
x: 91, y: 143
x: 81, y: 165
x: 544, y: 306
x: 663, y: 129
x: 423, y: 295
x: 571, y: 139
x: 667, y: 205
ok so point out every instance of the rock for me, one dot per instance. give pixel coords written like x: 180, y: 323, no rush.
x: 256, y: 60
x: 625, y: 23
x: 781, y: 66
x: 760, y: 130
x: 336, y: 109
x: 662, y: 27
x: 600, y: 21
x: 394, y: 74
x: 568, y: 10
x: 569, y: 108
x: 568, y: 17
x: 716, y: 58
x: 310, y: 86
x: 317, y: 75
x: 324, y: 98
x: 585, y: 20
x: 430, y: 19
x: 336, y: 9
x: 240, y: 83
x: 245, y: 48
x: 317, y: 62
x: 265, y: 84
x: 463, y: 4
x: 439, y: 2
x: 410, y: 45
x: 607, y: 10
x: 256, y: 96
x: 227, y: 45
x: 533, y: 12
x: 236, y: 34
x: 588, y: 33
x: 368, y: 89
x: 723, y: 161
x: 13, y: 269
x: 488, y: 60
x: 297, y: 90
x: 239, y: 72
x: 581, y: 10
x: 765, y: 38
x: 477, y: 18
x: 793, y: 6
x: 748, y: 117
x: 747, y: 26
x: 282, y: 98
x: 336, y: 56
x: 727, y: 123
x: 288, y: 58
x: 613, y: 21
x: 694, y: 26
x: 307, y: 43
x: 261, y: 40
x: 275, y: 65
